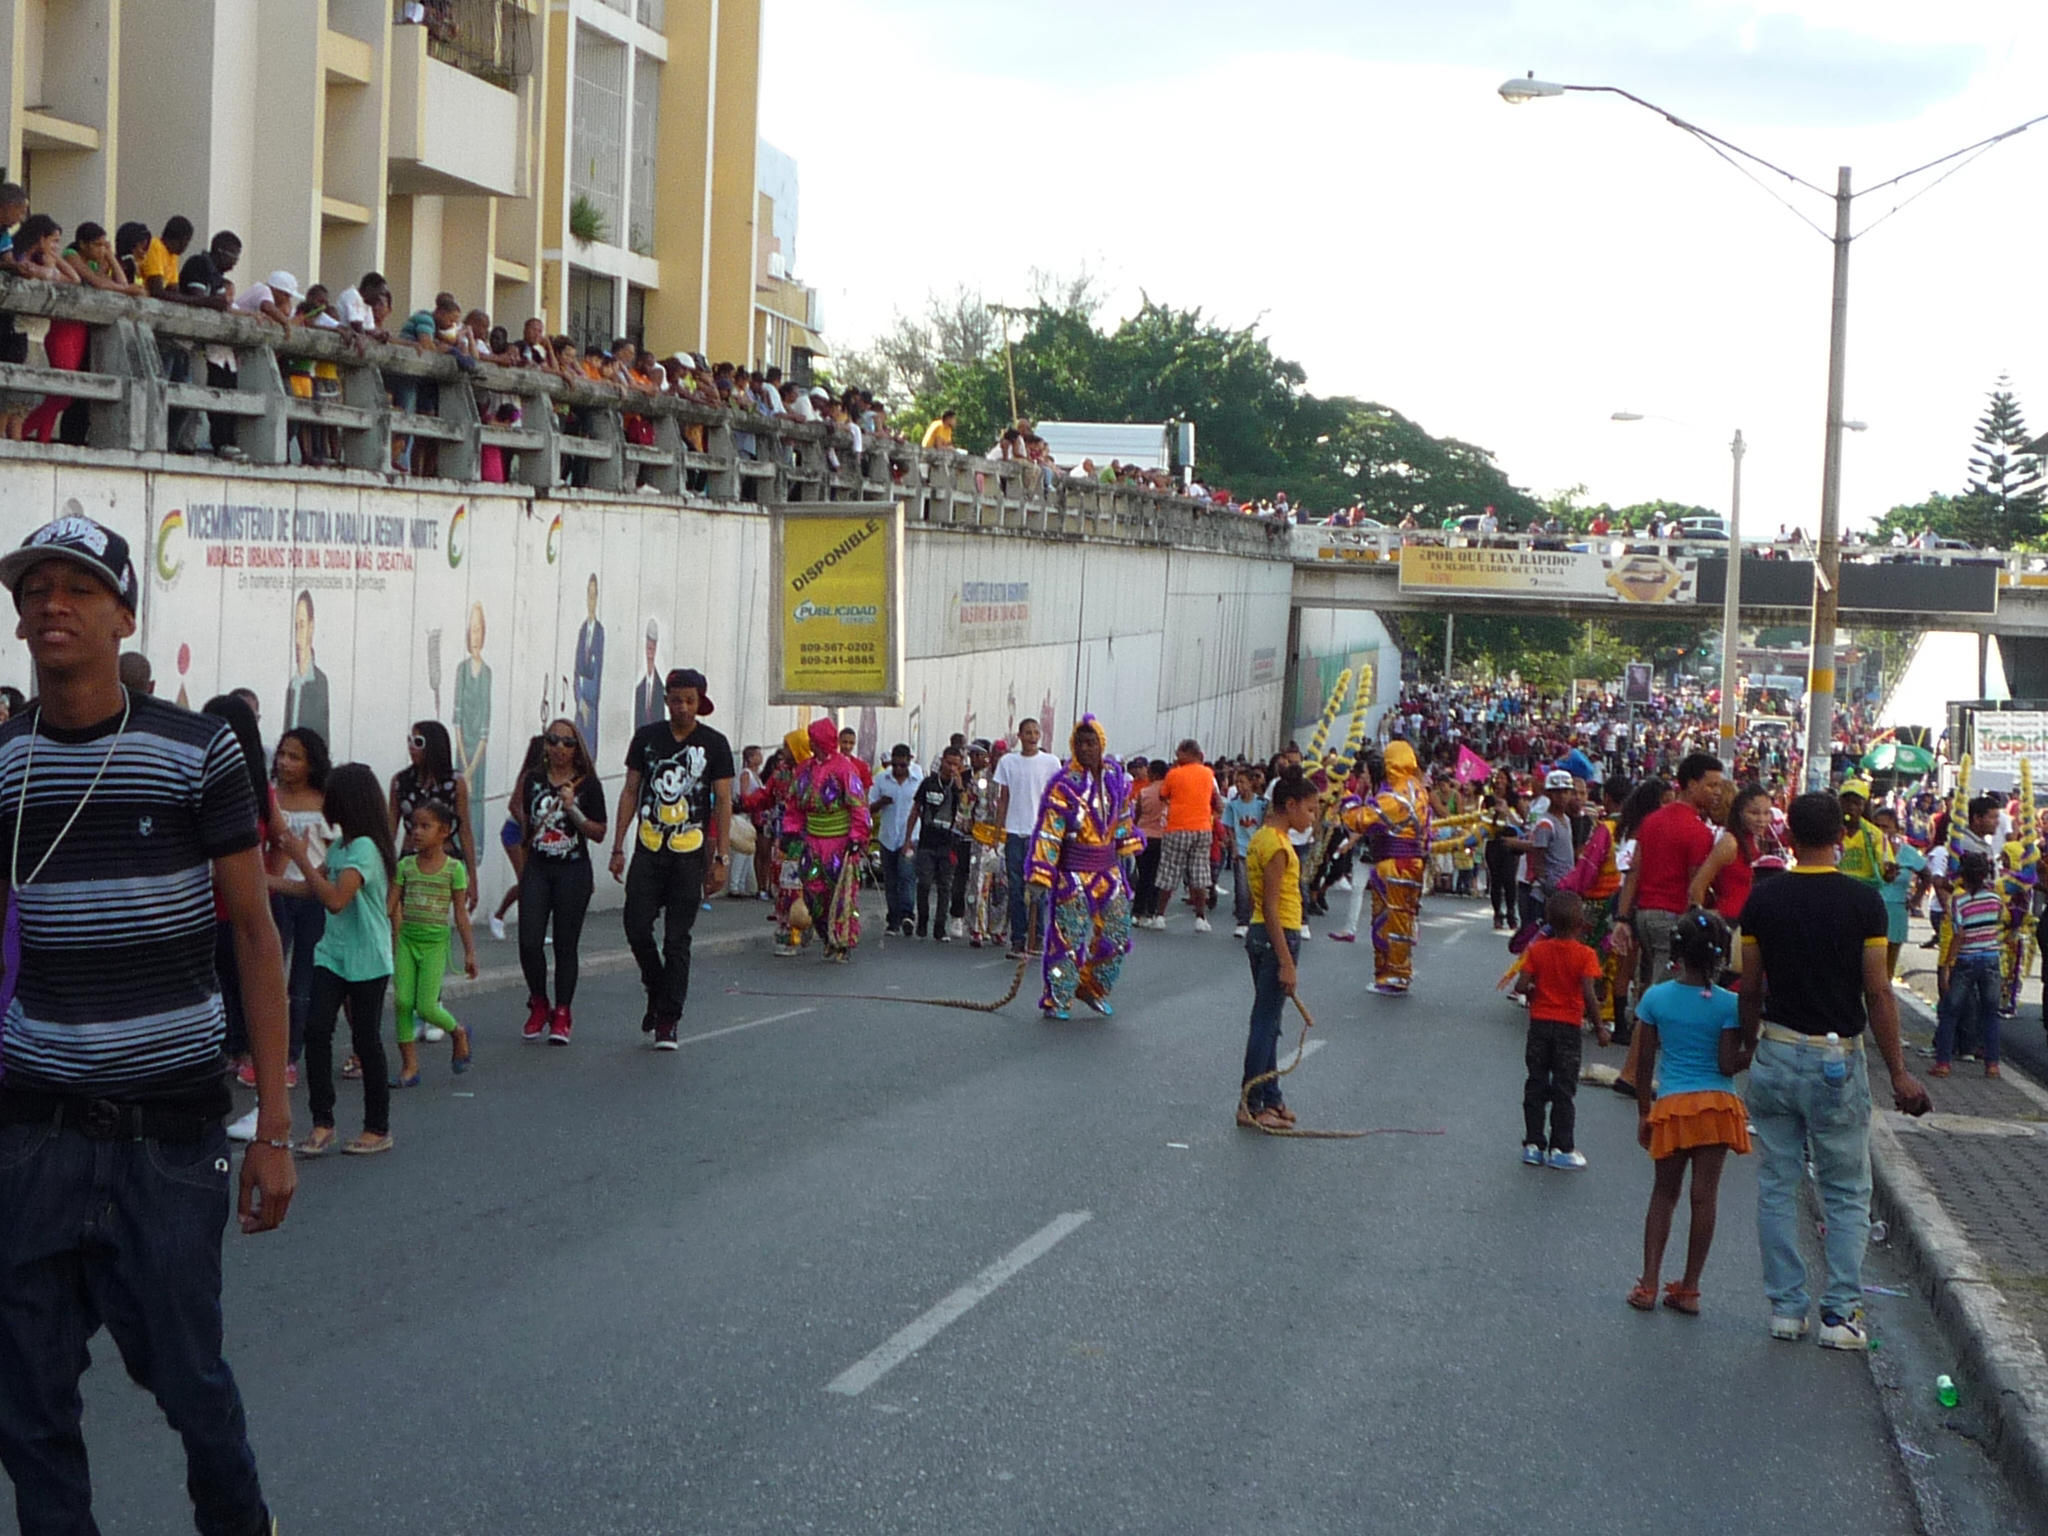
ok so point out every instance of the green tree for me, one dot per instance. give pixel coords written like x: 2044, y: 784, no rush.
x: 2006, y: 479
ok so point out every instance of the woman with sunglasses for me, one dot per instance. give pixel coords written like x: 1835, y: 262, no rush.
x: 431, y: 776
x: 561, y: 811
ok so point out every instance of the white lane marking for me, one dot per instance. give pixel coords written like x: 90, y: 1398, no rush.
x: 1454, y: 935
x: 1312, y: 1047
x: 733, y: 1029
x: 868, y: 1370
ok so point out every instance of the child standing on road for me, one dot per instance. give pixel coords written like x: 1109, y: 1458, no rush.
x: 1273, y: 872
x: 352, y: 961
x: 1559, y: 977
x: 1694, y: 1117
x: 429, y: 885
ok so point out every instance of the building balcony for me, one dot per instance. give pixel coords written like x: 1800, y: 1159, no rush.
x: 453, y: 133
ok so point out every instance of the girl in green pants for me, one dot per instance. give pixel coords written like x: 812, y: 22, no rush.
x: 429, y: 887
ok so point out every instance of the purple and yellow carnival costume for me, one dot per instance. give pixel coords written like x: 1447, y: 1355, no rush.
x: 1395, y: 826
x: 1086, y: 825
x: 825, y: 818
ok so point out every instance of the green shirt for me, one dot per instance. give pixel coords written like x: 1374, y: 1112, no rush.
x: 425, y: 898
x: 357, y: 943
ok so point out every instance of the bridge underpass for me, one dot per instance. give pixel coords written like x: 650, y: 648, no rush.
x: 1986, y: 594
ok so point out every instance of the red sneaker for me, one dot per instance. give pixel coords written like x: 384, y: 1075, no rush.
x: 536, y: 1020
x: 245, y: 1074
x: 558, y: 1027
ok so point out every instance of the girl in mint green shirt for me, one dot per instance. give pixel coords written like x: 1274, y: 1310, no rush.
x: 352, y: 961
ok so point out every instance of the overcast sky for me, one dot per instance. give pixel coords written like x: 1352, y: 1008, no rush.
x: 1343, y: 173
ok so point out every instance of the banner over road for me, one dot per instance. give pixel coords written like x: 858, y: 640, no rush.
x: 1466, y: 570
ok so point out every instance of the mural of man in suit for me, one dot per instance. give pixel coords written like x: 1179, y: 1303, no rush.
x: 589, y: 667
x: 650, y: 702
x: 305, y: 696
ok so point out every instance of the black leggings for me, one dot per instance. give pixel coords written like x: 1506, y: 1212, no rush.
x: 1500, y: 879
x: 557, y: 888
x: 365, y: 1001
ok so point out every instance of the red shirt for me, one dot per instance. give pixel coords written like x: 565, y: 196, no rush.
x: 1560, y: 967
x: 1671, y: 845
x: 1731, y: 886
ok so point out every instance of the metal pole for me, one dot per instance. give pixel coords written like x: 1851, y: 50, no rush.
x: 1450, y: 630
x: 1827, y: 565
x: 1731, y: 611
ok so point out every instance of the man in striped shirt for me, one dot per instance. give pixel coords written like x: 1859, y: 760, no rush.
x: 1969, y: 968
x: 120, y: 815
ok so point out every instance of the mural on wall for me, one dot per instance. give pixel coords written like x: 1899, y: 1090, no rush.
x: 589, y: 682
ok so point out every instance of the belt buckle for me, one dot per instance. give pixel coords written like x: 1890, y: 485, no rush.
x: 101, y: 1120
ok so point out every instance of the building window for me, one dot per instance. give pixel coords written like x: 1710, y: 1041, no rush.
x: 591, y: 307
x: 597, y: 139
x: 636, y: 317
x: 800, y: 365
x: 641, y: 182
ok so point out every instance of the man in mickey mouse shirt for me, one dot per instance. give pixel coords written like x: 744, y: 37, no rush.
x: 677, y: 800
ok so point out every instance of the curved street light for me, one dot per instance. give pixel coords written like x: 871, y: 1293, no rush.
x: 1828, y: 555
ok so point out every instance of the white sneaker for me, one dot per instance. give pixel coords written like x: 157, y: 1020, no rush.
x: 435, y: 1034
x: 1567, y: 1161
x: 1306, y: 933
x: 1532, y: 1154
x: 1239, y: 931
x: 497, y: 928
x: 243, y: 1129
x: 1202, y: 925
x: 1844, y: 1332
x: 1790, y: 1329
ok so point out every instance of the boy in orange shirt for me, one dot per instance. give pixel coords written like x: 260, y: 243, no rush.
x: 1559, y: 976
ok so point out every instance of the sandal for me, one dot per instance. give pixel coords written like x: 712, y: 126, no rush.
x: 460, y: 1063
x: 367, y: 1145
x: 1680, y: 1297
x: 1991, y: 1069
x: 352, y: 1068
x: 1286, y: 1114
x: 1939, y: 1069
x: 319, y: 1144
x: 1643, y: 1297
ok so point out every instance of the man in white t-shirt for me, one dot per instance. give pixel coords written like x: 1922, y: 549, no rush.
x: 1020, y: 782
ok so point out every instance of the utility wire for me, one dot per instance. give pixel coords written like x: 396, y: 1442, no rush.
x: 1982, y: 150
x: 1980, y: 145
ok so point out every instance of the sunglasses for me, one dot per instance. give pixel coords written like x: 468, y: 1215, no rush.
x: 419, y: 742
x: 561, y: 741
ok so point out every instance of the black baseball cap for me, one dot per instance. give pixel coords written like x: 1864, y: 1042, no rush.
x: 680, y: 677
x: 82, y: 541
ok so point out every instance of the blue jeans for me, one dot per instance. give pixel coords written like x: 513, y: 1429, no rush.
x: 1968, y: 1014
x: 899, y: 883
x: 125, y: 1233
x: 1016, y: 853
x: 1241, y: 890
x: 1798, y: 1113
x: 1262, y: 1044
x: 300, y: 922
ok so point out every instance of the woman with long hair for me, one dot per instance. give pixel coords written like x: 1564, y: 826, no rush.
x: 352, y: 962
x: 298, y: 776
x: 431, y: 775
x: 1745, y: 837
x: 559, y: 805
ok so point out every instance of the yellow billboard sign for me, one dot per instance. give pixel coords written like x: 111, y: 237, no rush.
x: 836, y: 635
x: 1635, y: 577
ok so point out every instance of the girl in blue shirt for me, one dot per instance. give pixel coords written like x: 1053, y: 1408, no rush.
x: 1691, y: 1117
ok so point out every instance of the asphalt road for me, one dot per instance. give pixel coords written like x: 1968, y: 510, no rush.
x: 606, y: 1290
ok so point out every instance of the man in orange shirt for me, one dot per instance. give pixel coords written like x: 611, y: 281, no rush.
x: 1192, y: 806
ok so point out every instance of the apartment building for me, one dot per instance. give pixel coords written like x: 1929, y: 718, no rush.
x: 786, y: 319
x: 590, y: 161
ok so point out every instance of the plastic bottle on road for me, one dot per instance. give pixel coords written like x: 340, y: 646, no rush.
x: 1834, y: 1061
x: 1945, y: 1391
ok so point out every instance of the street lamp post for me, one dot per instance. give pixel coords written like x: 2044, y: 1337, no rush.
x: 1820, y: 695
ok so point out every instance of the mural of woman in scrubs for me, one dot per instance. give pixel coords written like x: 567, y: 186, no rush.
x: 473, y: 708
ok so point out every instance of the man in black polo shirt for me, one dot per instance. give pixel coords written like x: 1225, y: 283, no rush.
x: 1813, y: 966
x: 677, y: 800
x: 121, y: 817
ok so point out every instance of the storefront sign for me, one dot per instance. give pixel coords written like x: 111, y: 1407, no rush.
x: 2001, y: 737
x: 836, y: 636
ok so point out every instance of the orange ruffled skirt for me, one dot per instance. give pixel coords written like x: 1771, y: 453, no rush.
x: 1682, y: 1121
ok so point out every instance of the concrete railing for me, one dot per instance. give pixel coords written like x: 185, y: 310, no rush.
x: 570, y: 435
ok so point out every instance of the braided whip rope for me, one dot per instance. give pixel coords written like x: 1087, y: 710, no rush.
x: 1300, y: 1048
x: 1016, y: 985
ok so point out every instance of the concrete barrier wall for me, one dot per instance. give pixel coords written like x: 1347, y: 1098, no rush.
x: 358, y: 610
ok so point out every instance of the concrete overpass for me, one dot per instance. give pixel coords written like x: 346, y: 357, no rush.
x: 1983, y: 592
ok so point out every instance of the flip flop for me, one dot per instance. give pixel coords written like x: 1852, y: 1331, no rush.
x: 367, y: 1145
x: 311, y: 1149
x: 406, y: 1082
